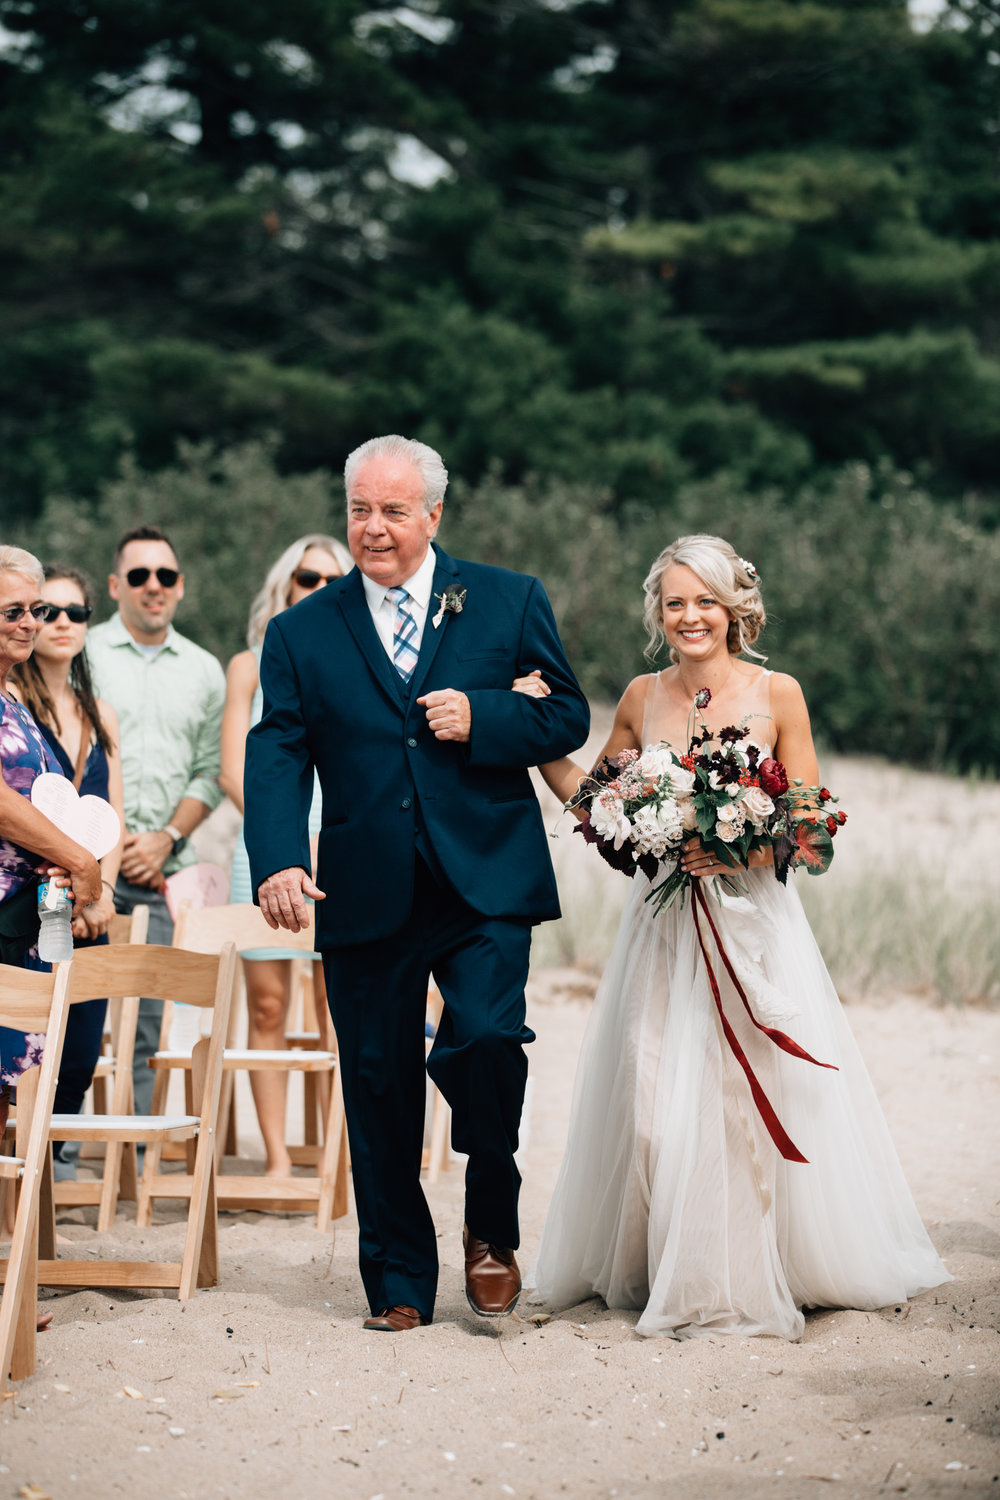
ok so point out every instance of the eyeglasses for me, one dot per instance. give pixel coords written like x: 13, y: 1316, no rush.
x: 76, y: 614
x: 307, y: 578
x: 15, y: 612
x: 136, y: 577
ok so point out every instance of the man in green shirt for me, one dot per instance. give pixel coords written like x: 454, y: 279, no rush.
x: 168, y: 694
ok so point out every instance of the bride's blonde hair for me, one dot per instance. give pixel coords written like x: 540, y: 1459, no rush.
x: 730, y: 578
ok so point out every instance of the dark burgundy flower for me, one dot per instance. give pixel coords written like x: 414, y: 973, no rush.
x: 731, y: 734
x: 702, y: 698
x: 727, y: 771
x: 773, y: 777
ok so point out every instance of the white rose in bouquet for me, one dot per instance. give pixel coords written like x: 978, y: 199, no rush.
x: 758, y: 806
x: 655, y: 762
x: 681, y: 781
x: 729, y: 822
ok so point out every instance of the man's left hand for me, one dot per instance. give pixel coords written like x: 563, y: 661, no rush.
x: 449, y: 714
x: 144, y: 855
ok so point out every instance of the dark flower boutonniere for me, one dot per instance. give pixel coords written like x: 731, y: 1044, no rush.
x: 452, y: 603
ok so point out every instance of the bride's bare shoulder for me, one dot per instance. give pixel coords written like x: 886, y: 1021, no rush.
x: 627, y: 729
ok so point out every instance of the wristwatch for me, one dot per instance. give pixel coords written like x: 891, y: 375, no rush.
x: 180, y: 839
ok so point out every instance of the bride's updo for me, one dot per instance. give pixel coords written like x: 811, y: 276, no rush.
x: 732, y: 579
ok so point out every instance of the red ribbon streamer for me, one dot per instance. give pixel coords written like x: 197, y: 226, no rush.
x: 775, y: 1129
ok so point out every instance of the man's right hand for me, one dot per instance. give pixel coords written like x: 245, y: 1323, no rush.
x: 282, y: 898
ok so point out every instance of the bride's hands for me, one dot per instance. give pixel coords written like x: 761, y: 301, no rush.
x: 697, y: 860
x: 534, y: 685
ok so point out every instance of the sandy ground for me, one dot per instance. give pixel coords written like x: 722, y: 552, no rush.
x: 268, y: 1385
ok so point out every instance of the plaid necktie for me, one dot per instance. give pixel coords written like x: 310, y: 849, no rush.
x: 405, y: 646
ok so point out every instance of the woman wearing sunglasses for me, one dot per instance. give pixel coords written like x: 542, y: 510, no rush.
x: 81, y: 732
x: 307, y: 565
x: 29, y: 843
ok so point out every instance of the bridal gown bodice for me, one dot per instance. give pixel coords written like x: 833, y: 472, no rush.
x: 672, y: 1198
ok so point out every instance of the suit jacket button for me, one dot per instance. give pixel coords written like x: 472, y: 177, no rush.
x: 412, y: 743
x: 406, y: 802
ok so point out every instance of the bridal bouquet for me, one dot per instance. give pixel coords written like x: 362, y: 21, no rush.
x: 643, y: 807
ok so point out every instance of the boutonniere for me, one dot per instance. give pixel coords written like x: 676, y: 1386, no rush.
x: 452, y: 603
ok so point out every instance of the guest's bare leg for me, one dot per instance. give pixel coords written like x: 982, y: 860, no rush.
x: 267, y: 1003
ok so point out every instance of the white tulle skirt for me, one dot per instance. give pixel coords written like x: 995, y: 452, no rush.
x: 672, y: 1197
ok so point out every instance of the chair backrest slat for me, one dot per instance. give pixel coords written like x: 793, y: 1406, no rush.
x: 204, y: 929
x: 144, y: 969
x: 25, y: 998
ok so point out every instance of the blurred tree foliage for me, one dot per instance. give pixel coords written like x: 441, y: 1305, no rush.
x: 636, y: 268
x: 626, y: 244
x: 881, y: 600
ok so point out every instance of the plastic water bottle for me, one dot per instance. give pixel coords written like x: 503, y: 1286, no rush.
x: 55, y: 916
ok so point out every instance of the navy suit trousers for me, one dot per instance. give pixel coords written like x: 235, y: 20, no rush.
x: 378, y: 997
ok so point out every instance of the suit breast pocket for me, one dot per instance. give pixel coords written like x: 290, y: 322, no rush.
x: 482, y: 653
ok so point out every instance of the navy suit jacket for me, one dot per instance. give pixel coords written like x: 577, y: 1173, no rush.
x: 333, y: 700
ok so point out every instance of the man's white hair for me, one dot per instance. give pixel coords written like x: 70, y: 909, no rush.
x: 428, y: 463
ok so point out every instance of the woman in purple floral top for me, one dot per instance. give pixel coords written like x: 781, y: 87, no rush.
x: 29, y: 842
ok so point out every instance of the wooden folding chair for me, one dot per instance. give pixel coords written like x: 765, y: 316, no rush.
x: 119, y: 1176
x: 202, y: 980
x: 204, y: 930
x: 32, y: 1003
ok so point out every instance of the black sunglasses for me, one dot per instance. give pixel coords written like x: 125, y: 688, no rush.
x: 15, y: 612
x: 306, y: 578
x: 76, y: 614
x: 136, y: 577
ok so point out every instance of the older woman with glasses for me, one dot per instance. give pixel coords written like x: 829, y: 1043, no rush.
x: 81, y: 731
x: 308, y: 564
x: 29, y: 842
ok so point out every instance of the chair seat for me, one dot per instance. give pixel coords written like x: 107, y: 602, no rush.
x: 255, y: 1060
x: 124, y: 1127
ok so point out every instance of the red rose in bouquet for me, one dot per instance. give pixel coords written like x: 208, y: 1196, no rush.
x: 773, y: 777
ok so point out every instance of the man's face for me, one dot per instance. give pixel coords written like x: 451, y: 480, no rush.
x: 147, y: 604
x: 388, y: 530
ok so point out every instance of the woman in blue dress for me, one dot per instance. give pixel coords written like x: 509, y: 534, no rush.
x: 306, y: 565
x: 29, y: 842
x: 81, y: 732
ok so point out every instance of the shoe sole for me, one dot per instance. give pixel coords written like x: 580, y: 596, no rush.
x: 481, y: 1313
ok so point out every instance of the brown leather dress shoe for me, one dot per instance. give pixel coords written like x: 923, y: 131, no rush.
x: 492, y: 1280
x: 396, y: 1320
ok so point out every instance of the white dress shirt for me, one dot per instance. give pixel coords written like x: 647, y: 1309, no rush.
x: 383, y: 610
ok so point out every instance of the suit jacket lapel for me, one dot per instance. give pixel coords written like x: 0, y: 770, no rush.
x: 359, y: 620
x: 445, y: 576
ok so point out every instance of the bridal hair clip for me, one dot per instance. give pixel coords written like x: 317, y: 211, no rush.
x: 749, y: 570
x: 452, y: 603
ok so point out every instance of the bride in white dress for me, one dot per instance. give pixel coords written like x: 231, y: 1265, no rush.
x: 672, y: 1198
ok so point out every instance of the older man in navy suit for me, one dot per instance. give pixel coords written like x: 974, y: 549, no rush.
x: 394, y: 683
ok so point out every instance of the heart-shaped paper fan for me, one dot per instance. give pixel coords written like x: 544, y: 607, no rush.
x: 91, y: 821
x: 199, y: 885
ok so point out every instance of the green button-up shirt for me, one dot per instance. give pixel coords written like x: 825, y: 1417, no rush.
x: 170, y: 712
